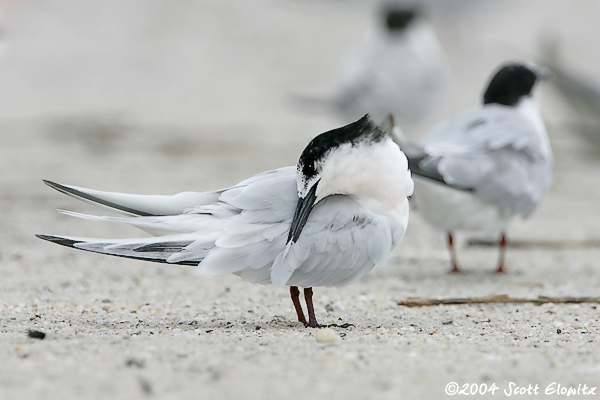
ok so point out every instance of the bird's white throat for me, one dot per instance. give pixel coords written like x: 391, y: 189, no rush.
x: 529, y: 107
x: 376, y: 174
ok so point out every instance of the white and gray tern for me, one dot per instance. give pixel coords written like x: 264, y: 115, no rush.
x: 325, y: 223
x: 480, y: 168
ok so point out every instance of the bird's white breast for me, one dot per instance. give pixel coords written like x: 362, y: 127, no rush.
x: 450, y: 209
x: 529, y: 108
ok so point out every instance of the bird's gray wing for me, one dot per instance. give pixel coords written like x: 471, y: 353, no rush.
x: 340, y: 243
x: 496, y: 153
x: 249, y: 241
x: 489, y: 127
x: 244, y: 228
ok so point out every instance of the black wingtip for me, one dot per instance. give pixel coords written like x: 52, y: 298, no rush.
x: 56, y: 186
x: 431, y: 174
x: 49, y: 183
x: 59, y: 240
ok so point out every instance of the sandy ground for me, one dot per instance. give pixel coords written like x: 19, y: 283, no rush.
x: 162, y: 98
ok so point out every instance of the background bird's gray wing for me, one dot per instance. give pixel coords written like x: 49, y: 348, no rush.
x: 340, y: 243
x: 494, y: 152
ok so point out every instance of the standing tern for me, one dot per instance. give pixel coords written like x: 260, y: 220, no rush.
x: 480, y: 168
x: 325, y: 223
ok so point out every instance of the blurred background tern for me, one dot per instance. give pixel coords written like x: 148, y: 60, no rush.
x: 399, y: 68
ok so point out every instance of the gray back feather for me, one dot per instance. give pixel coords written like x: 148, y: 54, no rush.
x: 497, y: 153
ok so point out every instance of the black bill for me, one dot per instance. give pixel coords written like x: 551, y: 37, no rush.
x: 303, y: 210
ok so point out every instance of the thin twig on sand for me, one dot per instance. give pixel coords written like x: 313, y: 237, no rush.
x: 496, y: 299
x: 546, y: 244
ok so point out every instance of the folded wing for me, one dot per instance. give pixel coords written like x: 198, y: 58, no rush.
x: 493, y: 152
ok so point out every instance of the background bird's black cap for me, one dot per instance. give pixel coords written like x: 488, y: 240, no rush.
x: 510, y: 84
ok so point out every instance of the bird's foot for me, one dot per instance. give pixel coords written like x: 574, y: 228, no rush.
x: 315, y: 324
x: 312, y: 324
x: 345, y: 326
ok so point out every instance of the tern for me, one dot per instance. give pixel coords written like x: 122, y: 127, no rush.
x: 326, y: 222
x: 480, y: 168
x: 400, y: 68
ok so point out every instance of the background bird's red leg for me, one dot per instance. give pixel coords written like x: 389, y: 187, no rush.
x: 502, y: 245
x: 455, y: 267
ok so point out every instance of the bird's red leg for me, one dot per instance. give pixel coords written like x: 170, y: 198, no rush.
x: 312, y: 320
x: 455, y: 267
x: 502, y: 245
x: 295, y: 293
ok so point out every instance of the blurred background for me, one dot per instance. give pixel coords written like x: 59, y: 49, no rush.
x: 168, y: 96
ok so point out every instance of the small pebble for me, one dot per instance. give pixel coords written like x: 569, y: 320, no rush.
x: 145, y: 386
x: 36, y: 334
x: 325, y: 335
x: 133, y: 362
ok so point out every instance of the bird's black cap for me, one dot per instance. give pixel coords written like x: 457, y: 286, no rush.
x: 362, y: 130
x: 510, y: 84
x: 398, y: 19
